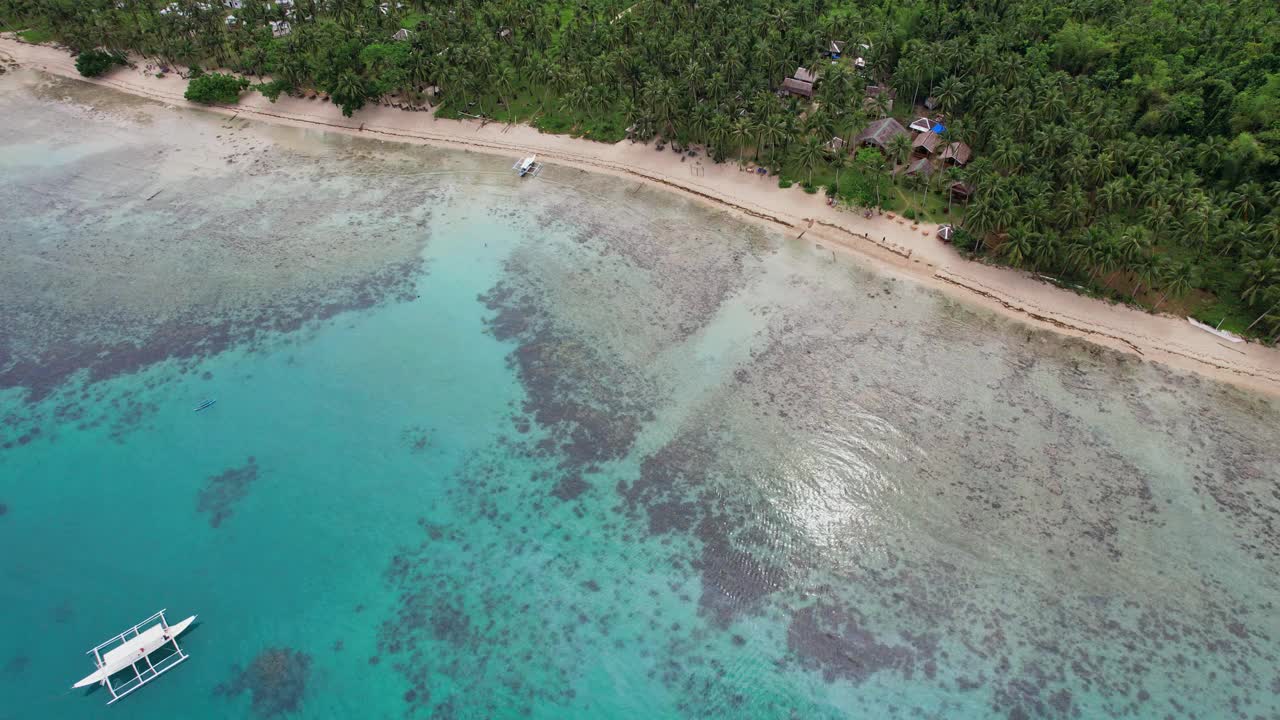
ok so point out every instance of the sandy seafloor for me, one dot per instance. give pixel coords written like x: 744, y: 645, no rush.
x: 573, y: 448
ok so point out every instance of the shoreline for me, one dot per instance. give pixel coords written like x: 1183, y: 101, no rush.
x: 904, y: 249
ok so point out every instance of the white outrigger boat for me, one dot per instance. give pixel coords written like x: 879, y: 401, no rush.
x: 528, y: 167
x: 132, y: 649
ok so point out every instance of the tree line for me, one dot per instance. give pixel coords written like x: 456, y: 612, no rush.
x: 1132, y: 147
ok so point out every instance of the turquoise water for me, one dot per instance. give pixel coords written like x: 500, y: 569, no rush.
x: 573, y: 448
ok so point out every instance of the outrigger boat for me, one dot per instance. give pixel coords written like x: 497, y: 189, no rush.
x: 205, y: 405
x: 132, y: 649
x: 528, y: 166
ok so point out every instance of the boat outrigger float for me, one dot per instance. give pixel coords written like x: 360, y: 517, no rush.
x: 528, y: 167
x: 133, y: 649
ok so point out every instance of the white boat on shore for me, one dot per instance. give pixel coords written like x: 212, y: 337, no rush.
x: 528, y: 167
x: 1228, y: 336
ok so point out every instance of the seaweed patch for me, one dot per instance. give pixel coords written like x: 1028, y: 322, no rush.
x: 222, y: 492
x: 276, y: 681
x: 416, y: 438
x: 837, y: 642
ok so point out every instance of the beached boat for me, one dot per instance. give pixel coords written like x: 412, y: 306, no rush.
x: 1225, y: 335
x: 528, y: 167
x: 131, y: 650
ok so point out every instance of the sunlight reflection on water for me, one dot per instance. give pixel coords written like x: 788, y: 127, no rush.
x: 838, y: 493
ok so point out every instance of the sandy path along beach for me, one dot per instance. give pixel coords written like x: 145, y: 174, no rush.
x: 889, y: 243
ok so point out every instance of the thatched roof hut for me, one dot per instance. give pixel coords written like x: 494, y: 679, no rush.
x: 880, y: 133
x: 921, y: 166
x: 957, y: 153
x: 804, y: 74
x: 961, y: 191
x: 796, y: 87
x: 926, y: 143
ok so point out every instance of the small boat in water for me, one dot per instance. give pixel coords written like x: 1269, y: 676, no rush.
x: 205, y: 405
x: 133, y: 650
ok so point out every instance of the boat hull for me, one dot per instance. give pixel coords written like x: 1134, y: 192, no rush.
x: 133, y: 650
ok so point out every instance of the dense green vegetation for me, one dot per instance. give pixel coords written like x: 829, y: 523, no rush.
x: 1131, y: 147
x: 92, y: 63
x: 215, y: 88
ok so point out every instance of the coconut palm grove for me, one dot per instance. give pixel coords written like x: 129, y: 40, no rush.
x: 1127, y: 149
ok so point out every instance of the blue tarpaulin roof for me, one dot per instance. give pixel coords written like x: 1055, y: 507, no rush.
x: 937, y: 129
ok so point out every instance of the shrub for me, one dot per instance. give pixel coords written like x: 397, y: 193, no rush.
x: 216, y: 88
x: 272, y: 90
x: 963, y: 239
x: 809, y: 187
x: 92, y: 63
x: 909, y: 214
x: 784, y: 183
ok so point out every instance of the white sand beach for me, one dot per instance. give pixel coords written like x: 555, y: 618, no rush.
x: 889, y: 243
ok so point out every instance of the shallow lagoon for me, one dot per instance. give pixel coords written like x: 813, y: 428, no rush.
x: 573, y: 448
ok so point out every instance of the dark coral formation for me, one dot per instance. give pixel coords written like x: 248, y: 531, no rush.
x: 276, y: 681
x: 416, y: 438
x: 835, y: 641
x: 17, y: 664
x: 190, y: 337
x: 591, y: 409
x: 203, y: 274
x: 570, y: 486
x: 985, y: 523
x: 222, y: 492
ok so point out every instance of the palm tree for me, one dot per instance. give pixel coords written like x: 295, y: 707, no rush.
x: 742, y: 132
x: 899, y: 151
x: 774, y: 131
x: 839, y: 161
x: 1199, y: 222
x: 1007, y: 156
x: 1178, y: 282
x: 948, y: 93
x: 1113, y: 195
x: 881, y: 104
x: 1261, y: 275
x: 758, y: 130
x: 1272, y: 293
x: 808, y: 153
x: 504, y: 80
x: 1073, y: 207
x: 718, y: 131
x: 1269, y: 229
x: 1018, y: 246
x: 869, y: 162
x: 1149, y: 269
x: 1075, y: 168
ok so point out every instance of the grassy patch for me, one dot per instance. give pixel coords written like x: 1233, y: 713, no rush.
x: 36, y: 36
x: 603, y: 125
x: 410, y: 21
